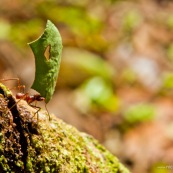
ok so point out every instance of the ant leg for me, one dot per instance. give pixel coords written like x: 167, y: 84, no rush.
x: 39, y: 98
x: 47, y: 110
x: 23, y: 87
x: 36, y: 107
x: 18, y: 82
x: 15, y: 78
x: 20, y: 98
x: 13, y: 106
x: 35, y: 103
x: 19, y: 88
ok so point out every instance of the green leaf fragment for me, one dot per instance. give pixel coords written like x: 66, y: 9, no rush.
x: 47, y: 51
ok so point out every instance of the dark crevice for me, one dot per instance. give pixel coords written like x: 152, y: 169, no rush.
x: 2, y: 92
x: 32, y: 129
x: 11, y: 135
x: 19, y: 127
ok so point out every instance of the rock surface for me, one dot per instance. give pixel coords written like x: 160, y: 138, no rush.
x: 30, y: 142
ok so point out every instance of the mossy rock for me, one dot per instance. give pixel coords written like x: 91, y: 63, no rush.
x: 31, y: 143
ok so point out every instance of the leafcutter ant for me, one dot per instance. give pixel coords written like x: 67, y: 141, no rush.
x: 28, y: 98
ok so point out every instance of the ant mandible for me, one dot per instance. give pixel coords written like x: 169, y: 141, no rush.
x: 28, y: 98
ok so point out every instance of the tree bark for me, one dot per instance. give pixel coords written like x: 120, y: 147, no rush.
x: 31, y: 143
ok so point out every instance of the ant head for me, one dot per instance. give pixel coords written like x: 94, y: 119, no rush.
x: 40, y: 98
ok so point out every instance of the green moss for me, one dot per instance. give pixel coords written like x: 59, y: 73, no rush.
x: 50, y: 146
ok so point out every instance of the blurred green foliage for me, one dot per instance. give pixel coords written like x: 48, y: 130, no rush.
x: 88, y: 63
x: 29, y: 30
x: 80, y: 24
x: 74, y: 17
x: 129, y: 76
x: 98, y: 95
x: 91, y: 28
x: 168, y: 81
x: 96, y: 63
x: 131, y: 20
x: 139, y: 113
x: 161, y: 168
x: 170, y: 52
x: 170, y: 22
x: 4, y: 29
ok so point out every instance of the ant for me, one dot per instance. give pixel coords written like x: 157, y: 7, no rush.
x: 28, y: 98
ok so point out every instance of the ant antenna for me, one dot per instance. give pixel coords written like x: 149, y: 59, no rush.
x: 45, y: 105
x: 19, y: 86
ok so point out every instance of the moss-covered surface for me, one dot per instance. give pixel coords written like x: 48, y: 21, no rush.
x: 31, y: 143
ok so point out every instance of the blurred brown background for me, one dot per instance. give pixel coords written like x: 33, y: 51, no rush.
x: 116, y: 76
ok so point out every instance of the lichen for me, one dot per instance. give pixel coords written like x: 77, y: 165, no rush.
x: 37, y: 144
